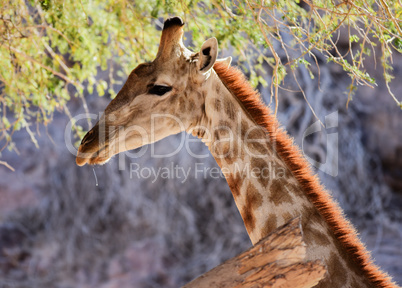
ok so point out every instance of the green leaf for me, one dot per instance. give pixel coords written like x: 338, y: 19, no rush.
x: 353, y: 38
x: 128, y: 33
x: 6, y: 123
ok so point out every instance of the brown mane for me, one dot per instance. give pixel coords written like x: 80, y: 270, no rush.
x: 236, y: 82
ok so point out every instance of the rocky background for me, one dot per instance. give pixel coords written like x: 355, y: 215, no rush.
x: 67, y: 226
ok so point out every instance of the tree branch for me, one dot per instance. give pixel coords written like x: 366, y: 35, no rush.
x: 276, y: 261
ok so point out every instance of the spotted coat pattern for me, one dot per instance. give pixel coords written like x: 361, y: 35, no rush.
x: 266, y: 191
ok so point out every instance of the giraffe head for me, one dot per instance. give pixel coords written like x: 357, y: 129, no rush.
x: 158, y: 99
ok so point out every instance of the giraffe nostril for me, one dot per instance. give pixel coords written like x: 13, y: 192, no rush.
x: 89, y: 137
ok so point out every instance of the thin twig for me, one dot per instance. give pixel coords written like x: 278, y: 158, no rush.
x: 7, y: 165
x: 86, y: 15
x: 62, y: 76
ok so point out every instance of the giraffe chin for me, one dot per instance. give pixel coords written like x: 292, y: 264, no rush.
x: 98, y: 157
x: 98, y: 161
x: 81, y: 161
x: 91, y: 161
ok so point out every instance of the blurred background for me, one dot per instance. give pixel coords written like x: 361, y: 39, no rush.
x: 67, y: 226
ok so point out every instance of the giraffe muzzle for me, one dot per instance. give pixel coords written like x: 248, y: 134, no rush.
x: 89, y: 147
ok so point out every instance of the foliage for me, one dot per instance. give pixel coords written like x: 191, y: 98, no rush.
x: 51, y: 50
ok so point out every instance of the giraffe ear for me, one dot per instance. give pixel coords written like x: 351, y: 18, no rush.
x: 208, y: 54
x: 227, y: 61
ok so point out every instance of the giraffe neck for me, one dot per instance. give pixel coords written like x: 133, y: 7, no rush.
x: 266, y: 190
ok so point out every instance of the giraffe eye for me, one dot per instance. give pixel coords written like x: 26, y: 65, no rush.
x: 159, y: 90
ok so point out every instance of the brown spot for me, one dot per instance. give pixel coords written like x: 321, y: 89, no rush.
x: 243, y: 129
x: 144, y: 70
x: 259, y: 170
x: 336, y: 271
x: 232, y: 155
x: 248, y: 219
x: 216, y: 134
x: 191, y: 104
x: 253, y: 197
x: 278, y: 193
x: 221, y: 145
x: 234, y: 182
x: 355, y: 284
x: 358, y: 283
x: 219, y: 162
x: 295, y: 190
x: 173, y: 99
x: 225, y: 149
x: 312, y: 215
x: 183, y: 66
x: 230, y: 110
x: 216, y: 146
x: 287, y: 217
x: 288, y: 173
x: 244, y: 125
x: 203, y: 108
x: 218, y: 89
x: 270, y: 225
x: 256, y: 143
x: 253, y: 201
x: 312, y: 235
x: 257, y: 149
x: 225, y: 126
x: 182, y: 105
x: 280, y: 172
x: 255, y: 133
x: 218, y: 105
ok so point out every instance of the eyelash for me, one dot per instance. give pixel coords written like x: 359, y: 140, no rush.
x: 159, y: 90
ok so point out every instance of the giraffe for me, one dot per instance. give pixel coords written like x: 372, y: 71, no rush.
x: 270, y: 180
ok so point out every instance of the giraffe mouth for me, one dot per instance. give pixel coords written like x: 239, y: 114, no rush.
x: 97, y: 157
